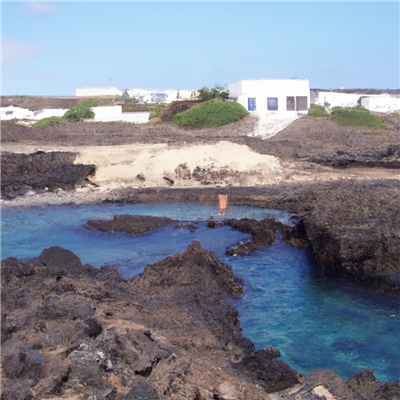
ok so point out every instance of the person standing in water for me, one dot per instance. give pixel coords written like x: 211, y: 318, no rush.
x: 223, y: 203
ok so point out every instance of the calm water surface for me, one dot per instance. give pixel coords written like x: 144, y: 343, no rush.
x: 316, y: 321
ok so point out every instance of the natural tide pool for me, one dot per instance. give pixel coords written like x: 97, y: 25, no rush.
x: 315, y: 320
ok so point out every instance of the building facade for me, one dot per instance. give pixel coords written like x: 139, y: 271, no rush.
x: 272, y: 96
x: 161, y: 95
x: 97, y: 91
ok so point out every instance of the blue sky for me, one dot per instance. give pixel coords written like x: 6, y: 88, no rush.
x: 50, y: 48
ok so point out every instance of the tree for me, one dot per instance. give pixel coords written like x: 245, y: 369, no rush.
x: 217, y: 91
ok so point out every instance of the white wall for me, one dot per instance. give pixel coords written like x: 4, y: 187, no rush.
x: 383, y: 103
x: 7, y: 113
x: 98, y: 91
x: 261, y: 89
x: 105, y: 114
x: 162, y: 96
x: 332, y: 99
x: 114, y: 113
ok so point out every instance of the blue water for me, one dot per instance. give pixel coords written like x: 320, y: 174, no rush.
x: 315, y: 320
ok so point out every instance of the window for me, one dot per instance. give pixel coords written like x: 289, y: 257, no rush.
x: 290, y: 104
x: 251, y: 104
x: 301, y: 103
x: 272, y: 103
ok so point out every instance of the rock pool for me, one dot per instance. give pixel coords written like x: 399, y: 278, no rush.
x: 314, y: 319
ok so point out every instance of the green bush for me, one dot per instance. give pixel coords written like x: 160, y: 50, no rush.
x: 317, y: 111
x: 47, y: 121
x: 212, y: 113
x: 81, y: 111
x: 356, y: 117
x: 156, y: 110
x: 216, y: 92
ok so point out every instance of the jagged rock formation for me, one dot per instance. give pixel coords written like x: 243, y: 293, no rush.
x: 131, y: 224
x: 40, y: 171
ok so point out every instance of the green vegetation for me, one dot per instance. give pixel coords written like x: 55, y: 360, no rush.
x: 81, y: 111
x: 216, y: 92
x: 211, y: 113
x: 356, y: 117
x: 47, y: 121
x: 317, y: 111
x: 156, y: 112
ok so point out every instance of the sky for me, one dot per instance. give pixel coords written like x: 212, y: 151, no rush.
x: 50, y: 48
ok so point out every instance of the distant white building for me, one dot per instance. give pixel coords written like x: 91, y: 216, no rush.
x: 114, y: 113
x: 97, y: 91
x: 382, y: 103
x: 333, y: 99
x: 272, y: 96
x: 161, y: 95
x: 12, y: 112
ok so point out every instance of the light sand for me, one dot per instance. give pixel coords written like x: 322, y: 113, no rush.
x: 225, y: 164
x: 119, y: 166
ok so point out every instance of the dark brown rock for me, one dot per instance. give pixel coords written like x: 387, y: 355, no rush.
x: 21, y: 173
x: 170, y: 334
x: 131, y: 224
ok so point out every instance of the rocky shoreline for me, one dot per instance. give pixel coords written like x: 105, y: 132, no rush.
x: 352, y: 226
x: 74, y: 332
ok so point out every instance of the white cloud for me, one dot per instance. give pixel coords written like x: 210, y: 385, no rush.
x: 40, y: 7
x: 15, y: 51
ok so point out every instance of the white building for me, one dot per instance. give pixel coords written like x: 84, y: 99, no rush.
x: 272, y: 96
x: 161, y: 95
x: 114, y: 113
x: 333, y: 99
x: 382, y: 103
x: 12, y: 112
x: 97, y: 91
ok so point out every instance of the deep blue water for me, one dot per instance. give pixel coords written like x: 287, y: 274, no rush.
x: 315, y: 320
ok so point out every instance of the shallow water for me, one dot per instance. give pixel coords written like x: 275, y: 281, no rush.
x: 316, y: 321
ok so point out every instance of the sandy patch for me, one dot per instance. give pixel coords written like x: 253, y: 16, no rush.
x: 147, y: 165
x: 269, y: 125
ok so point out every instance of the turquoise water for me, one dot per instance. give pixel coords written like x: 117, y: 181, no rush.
x: 315, y: 320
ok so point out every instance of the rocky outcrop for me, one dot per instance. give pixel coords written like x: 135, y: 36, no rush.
x: 263, y: 233
x: 39, y: 172
x: 352, y: 226
x: 384, y: 158
x: 73, y: 331
x: 131, y: 224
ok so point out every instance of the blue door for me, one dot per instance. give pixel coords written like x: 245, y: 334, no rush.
x: 251, y: 104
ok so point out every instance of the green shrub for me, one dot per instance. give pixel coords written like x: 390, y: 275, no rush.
x: 90, y: 103
x: 216, y: 92
x: 81, y: 111
x: 156, y: 110
x: 356, y: 117
x: 47, y: 121
x: 317, y: 111
x: 212, y: 113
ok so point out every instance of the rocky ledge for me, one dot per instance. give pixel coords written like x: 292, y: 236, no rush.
x: 131, y: 224
x: 263, y: 233
x: 75, y: 332
x: 353, y: 226
x: 23, y: 174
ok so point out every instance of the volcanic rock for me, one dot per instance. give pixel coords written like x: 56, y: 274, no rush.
x: 24, y: 173
x: 131, y: 224
x: 72, y: 331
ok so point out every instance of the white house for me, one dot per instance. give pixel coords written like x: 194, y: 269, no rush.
x: 97, y: 91
x: 272, y: 96
x: 12, y: 112
x: 382, y: 103
x: 161, y: 95
x: 114, y: 113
